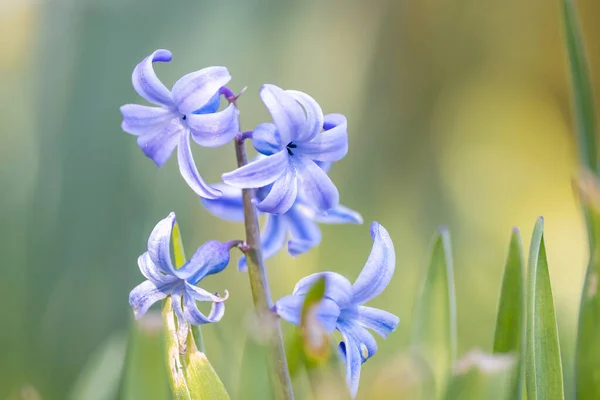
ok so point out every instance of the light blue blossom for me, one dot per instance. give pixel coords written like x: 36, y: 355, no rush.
x: 292, y: 144
x: 342, y: 307
x: 299, y: 223
x: 190, y: 108
x: 164, y: 280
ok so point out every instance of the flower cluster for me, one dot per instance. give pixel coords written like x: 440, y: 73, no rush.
x: 289, y: 184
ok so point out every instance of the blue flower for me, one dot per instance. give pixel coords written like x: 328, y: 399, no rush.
x: 293, y: 143
x: 190, y: 108
x: 342, y: 307
x: 299, y: 223
x: 164, y: 280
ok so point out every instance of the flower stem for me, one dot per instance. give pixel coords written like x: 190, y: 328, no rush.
x: 259, y: 285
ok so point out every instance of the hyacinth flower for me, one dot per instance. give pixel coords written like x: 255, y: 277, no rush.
x: 293, y: 144
x: 189, y: 109
x: 299, y: 223
x: 164, y: 280
x: 342, y: 307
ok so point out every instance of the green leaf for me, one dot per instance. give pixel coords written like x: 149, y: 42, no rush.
x: 483, y: 376
x: 145, y: 373
x: 510, y: 322
x: 587, y: 356
x: 202, y: 380
x: 434, y: 318
x: 543, y: 366
x: 585, y: 122
x: 100, y: 377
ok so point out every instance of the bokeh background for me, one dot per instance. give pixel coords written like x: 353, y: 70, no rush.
x: 459, y: 115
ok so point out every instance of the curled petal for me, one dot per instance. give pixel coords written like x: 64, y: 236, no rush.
x: 267, y: 140
x: 282, y: 195
x: 151, y: 272
x: 210, y: 258
x: 287, y: 113
x: 158, y: 144
x: 331, y: 145
x: 379, y: 268
x: 339, y: 215
x: 212, y: 106
x: 138, y: 119
x: 188, y: 170
x: 159, y: 245
x: 337, y: 288
x: 229, y: 206
x: 290, y: 309
x: 381, y: 322
x: 359, y: 345
x: 214, y: 129
x: 195, y: 317
x: 272, y: 239
x: 314, y: 117
x: 305, y: 232
x: 317, y: 187
x: 200, y: 294
x: 260, y: 172
x: 144, y: 295
x: 147, y: 84
x: 195, y: 90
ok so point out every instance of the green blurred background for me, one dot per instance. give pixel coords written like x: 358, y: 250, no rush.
x: 459, y: 114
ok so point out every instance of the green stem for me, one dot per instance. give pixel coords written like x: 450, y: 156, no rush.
x: 259, y: 285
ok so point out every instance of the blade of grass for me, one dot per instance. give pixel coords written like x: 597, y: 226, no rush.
x: 510, y: 322
x: 434, y: 318
x: 543, y: 365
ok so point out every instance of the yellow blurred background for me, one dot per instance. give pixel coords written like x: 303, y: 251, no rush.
x: 459, y: 115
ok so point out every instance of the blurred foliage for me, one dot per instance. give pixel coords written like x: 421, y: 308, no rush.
x: 458, y: 112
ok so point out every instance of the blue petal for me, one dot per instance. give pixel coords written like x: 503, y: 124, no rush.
x: 381, y: 322
x: 159, y: 245
x: 147, y: 84
x: 182, y: 324
x: 272, y: 239
x: 190, y: 174
x: 210, y: 258
x: 314, y: 117
x: 359, y: 346
x: 229, y: 206
x: 287, y: 113
x: 290, y: 307
x: 267, y: 140
x: 195, y: 90
x: 339, y: 215
x: 378, y: 270
x: 152, y: 272
x: 195, y: 317
x: 200, y: 294
x: 317, y: 187
x: 158, y: 144
x: 216, y: 129
x: 138, y: 119
x: 282, y: 195
x: 305, y: 232
x: 331, y: 145
x: 145, y: 294
x: 337, y: 288
x: 258, y: 173
x: 212, y: 106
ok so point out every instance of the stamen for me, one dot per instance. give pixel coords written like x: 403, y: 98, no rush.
x: 289, y: 146
x: 184, y: 117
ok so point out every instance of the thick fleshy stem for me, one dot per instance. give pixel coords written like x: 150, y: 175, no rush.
x: 259, y: 285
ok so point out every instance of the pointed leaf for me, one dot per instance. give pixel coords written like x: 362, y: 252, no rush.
x: 202, y: 380
x: 434, y: 318
x: 510, y: 322
x: 543, y: 367
x: 587, y: 356
x: 483, y: 376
